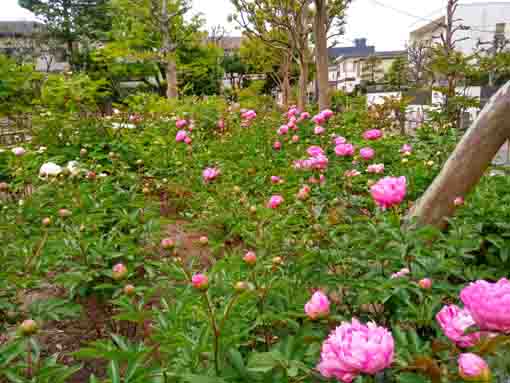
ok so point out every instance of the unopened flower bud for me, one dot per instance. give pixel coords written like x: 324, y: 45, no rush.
x: 28, y: 327
x: 64, y: 213
x: 277, y: 261
x: 46, y: 221
x: 204, y: 240
x: 119, y: 272
x: 200, y: 281
x: 167, y: 243
x: 83, y: 152
x: 425, y: 283
x: 129, y: 290
x: 250, y: 258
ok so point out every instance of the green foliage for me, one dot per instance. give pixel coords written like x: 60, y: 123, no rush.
x: 147, y: 187
x: 18, y: 87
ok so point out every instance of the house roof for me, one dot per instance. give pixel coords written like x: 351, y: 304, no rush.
x: 19, y: 28
x: 390, y: 54
x: 430, y: 27
x: 360, y: 49
x: 229, y: 42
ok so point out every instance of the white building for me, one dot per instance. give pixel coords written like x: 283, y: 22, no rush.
x: 483, y: 22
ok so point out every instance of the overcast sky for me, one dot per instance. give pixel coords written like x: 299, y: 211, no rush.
x: 385, y: 23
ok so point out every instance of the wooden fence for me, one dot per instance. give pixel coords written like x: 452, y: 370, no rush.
x: 14, y: 131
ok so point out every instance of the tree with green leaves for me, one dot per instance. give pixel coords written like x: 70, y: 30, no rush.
x: 371, y: 70
x: 274, y: 62
x: 283, y: 24
x: 153, y: 30
x: 71, y: 21
x: 397, y: 75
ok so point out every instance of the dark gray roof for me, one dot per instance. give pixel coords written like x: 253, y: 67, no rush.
x: 391, y: 53
x: 19, y: 28
x: 356, y: 51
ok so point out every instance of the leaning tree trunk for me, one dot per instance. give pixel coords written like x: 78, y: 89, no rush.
x: 286, y: 80
x: 303, y: 82
x: 171, y: 79
x: 467, y: 163
x: 321, y: 53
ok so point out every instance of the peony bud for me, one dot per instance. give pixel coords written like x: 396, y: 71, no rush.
x: 46, y: 221
x: 28, y: 327
x: 318, y: 306
x: 83, y: 152
x: 459, y: 201
x: 64, y: 213
x: 472, y: 368
x: 200, y: 281
x: 139, y: 162
x: 237, y: 189
x: 203, y: 240
x: 4, y: 186
x: 146, y: 190
x: 241, y: 286
x: 119, y: 272
x: 167, y: 243
x: 250, y: 258
x: 253, y: 209
x: 91, y: 176
x: 425, y: 283
x: 277, y: 261
x: 129, y: 290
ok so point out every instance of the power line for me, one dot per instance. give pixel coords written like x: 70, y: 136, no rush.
x: 401, y: 11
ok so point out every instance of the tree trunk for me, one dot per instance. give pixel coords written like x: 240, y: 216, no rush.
x: 467, y: 163
x: 321, y: 53
x: 303, y: 82
x: 286, y: 81
x: 171, y: 79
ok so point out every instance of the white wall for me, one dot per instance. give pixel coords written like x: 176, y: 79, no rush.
x: 482, y: 18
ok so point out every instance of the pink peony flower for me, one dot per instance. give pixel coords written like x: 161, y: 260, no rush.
x: 277, y: 145
x: 454, y: 321
x: 181, y: 123
x: 250, y: 258
x: 284, y: 129
x: 188, y: 140
x: 406, y: 148
x: 249, y: 115
x: 18, y: 151
x: 167, y: 243
x: 489, y: 304
x: 295, y: 138
x: 221, y: 124
x: 344, y: 150
x: 339, y: 140
x: 181, y: 135
x: 209, y: 174
x: 373, y: 134
x: 293, y: 110
x: 353, y: 349
x: 389, y: 191
x: 367, y: 153
x: 200, y: 281
x: 327, y: 114
x: 275, y: 180
x: 318, y: 119
x: 304, y: 116
x: 459, y: 201
x: 375, y: 168
x: 318, y: 306
x: 399, y: 274
x: 472, y: 368
x: 314, y: 151
x: 351, y: 173
x: 318, y: 130
x: 425, y: 283
x: 275, y: 201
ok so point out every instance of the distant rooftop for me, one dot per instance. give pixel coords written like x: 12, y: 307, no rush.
x: 360, y: 49
x: 229, y: 43
x: 390, y: 54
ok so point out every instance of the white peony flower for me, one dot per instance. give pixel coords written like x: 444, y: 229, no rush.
x: 50, y: 169
x: 73, y: 167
